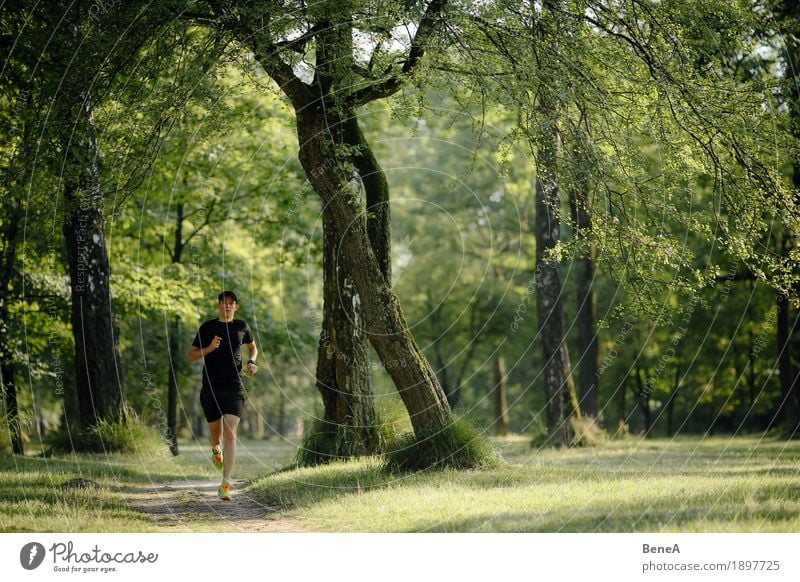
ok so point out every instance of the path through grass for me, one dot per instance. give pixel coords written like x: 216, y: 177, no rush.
x: 685, y: 484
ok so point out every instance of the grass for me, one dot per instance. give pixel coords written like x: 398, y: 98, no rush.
x: 86, y: 492
x: 684, y: 484
x: 125, y: 435
x: 688, y: 484
x: 458, y: 445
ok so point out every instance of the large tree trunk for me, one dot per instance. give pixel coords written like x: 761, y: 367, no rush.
x: 587, y: 307
x: 502, y: 425
x: 623, y: 399
x: 789, y: 375
x: 788, y: 379
x: 751, y: 373
x: 174, y: 344
x: 376, y: 189
x: 98, y: 379
x: 8, y: 386
x: 9, y: 390
x: 386, y: 326
x: 172, y: 384
x: 673, y: 396
x: 644, y: 400
x: 343, y: 377
x: 562, y: 403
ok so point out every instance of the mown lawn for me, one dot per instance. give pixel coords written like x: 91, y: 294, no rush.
x: 685, y: 484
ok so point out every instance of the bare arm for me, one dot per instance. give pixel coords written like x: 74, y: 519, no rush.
x: 253, y: 350
x: 196, y: 353
x: 251, y: 347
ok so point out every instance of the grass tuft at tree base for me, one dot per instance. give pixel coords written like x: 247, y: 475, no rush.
x: 326, y: 441
x: 459, y: 445
x: 125, y: 435
x: 587, y: 432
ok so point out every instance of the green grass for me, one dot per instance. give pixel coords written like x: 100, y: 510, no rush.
x: 685, y: 484
x: 459, y: 445
x: 39, y: 493
x: 717, y: 484
x: 125, y: 435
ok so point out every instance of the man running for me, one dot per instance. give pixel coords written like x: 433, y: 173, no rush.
x: 218, y: 342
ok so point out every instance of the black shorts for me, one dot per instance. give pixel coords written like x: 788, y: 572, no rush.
x: 229, y: 400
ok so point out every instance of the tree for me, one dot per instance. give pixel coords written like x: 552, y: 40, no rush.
x: 337, y: 85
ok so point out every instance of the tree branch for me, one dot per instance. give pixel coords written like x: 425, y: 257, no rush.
x: 390, y: 86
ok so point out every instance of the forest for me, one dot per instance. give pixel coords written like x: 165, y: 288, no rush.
x: 448, y: 222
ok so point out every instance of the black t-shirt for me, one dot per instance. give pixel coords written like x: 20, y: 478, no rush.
x: 223, y: 366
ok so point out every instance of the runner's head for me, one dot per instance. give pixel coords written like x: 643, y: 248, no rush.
x: 227, y: 304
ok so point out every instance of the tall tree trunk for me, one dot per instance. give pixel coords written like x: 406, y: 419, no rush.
x: 376, y: 190
x: 623, y: 400
x: 711, y: 407
x: 502, y: 426
x: 671, y: 402
x: 9, y: 389
x: 172, y: 384
x: 787, y: 375
x: 587, y: 302
x: 644, y: 401
x: 174, y: 344
x: 789, y: 13
x: 751, y: 373
x: 387, y: 329
x: 98, y: 379
x: 343, y: 377
x: 8, y: 386
x: 562, y: 403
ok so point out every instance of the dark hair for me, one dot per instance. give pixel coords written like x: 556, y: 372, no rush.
x: 225, y: 294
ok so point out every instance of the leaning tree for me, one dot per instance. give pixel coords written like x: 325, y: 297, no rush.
x: 330, y: 59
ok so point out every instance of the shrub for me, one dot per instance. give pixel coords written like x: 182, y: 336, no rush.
x: 586, y: 432
x: 125, y: 435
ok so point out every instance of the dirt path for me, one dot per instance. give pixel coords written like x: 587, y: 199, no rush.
x: 194, y: 506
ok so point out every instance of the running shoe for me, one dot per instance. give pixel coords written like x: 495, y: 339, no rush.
x: 225, y: 491
x: 216, y: 457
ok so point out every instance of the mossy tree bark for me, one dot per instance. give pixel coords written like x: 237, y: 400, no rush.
x: 589, y: 379
x: 386, y: 326
x: 562, y: 402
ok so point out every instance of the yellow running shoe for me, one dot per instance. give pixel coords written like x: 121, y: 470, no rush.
x: 225, y: 491
x: 216, y: 457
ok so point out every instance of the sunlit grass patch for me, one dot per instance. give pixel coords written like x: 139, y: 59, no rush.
x: 719, y: 484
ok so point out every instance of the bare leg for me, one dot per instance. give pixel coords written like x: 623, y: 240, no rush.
x: 230, y: 423
x: 215, y: 433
